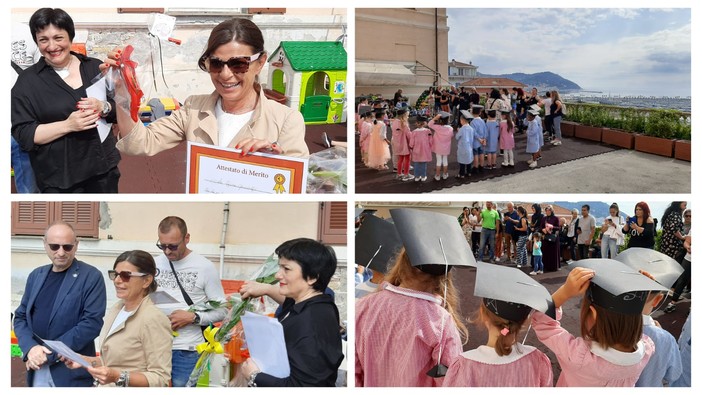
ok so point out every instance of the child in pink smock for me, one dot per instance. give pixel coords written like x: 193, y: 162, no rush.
x: 441, y: 143
x: 613, y: 350
x: 379, y: 146
x: 363, y: 103
x: 366, y: 124
x: 508, y: 297
x: 400, y: 144
x: 410, y: 330
x: 420, y: 145
x: 507, y: 139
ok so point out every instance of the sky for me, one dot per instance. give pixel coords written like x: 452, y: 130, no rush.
x: 619, y: 51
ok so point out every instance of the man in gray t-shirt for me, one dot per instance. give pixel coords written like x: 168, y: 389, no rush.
x: 587, y: 231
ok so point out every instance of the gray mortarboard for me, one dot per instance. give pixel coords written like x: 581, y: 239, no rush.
x: 467, y: 114
x: 444, y: 114
x: 401, y: 111
x: 364, y: 109
x: 421, y: 118
x: 434, y: 243
x: 476, y: 108
x: 535, y: 107
x: 377, y: 242
x: 432, y: 240
x: 617, y: 287
x: 663, y: 268
x: 510, y: 293
x: 533, y: 112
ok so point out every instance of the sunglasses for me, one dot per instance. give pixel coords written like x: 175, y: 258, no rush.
x: 66, y: 247
x: 237, y: 65
x: 163, y: 247
x: 124, y: 275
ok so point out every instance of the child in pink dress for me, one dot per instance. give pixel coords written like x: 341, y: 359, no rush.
x: 613, y: 350
x: 441, y: 142
x: 400, y: 144
x: 507, y: 139
x: 379, y: 146
x: 366, y: 123
x: 361, y: 104
x: 420, y: 147
x: 503, y: 361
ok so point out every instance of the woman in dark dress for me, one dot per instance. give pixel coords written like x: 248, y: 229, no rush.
x: 551, y: 246
x: 641, y: 227
x: 673, y: 234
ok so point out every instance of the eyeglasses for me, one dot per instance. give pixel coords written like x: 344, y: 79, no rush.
x: 124, y: 275
x: 237, y: 64
x: 66, y: 247
x: 163, y: 247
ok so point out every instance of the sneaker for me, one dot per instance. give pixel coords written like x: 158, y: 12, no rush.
x: 399, y: 176
x: 518, y: 265
x: 437, y: 177
x: 325, y: 139
x: 539, y: 158
x: 540, y: 272
x: 504, y: 164
x: 557, y: 142
x: 533, y: 165
x: 532, y: 273
x: 670, y: 308
x: 407, y: 178
x: 424, y: 178
x: 530, y: 161
x: 569, y: 261
x: 417, y: 179
x: 445, y: 176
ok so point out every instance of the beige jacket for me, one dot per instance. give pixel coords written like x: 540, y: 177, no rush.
x: 196, y: 121
x: 141, y: 344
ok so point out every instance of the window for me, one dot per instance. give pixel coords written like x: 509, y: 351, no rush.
x: 332, y: 227
x: 32, y: 218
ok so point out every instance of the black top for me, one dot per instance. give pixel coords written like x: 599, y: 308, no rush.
x: 313, y: 342
x: 474, y: 98
x: 516, y: 234
x: 645, y: 240
x: 40, y: 96
x: 535, y: 222
x: 555, y: 113
x: 44, y: 304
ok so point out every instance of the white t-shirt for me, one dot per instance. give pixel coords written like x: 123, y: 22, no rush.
x: 547, y: 105
x: 23, y: 50
x: 121, y: 318
x: 200, y: 278
x: 474, y: 219
x: 229, y: 124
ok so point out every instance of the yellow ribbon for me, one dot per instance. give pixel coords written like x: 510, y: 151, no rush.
x: 279, y: 180
x: 209, y: 346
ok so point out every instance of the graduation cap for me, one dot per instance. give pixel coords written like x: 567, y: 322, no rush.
x: 618, y: 287
x: 364, y: 109
x: 535, y: 107
x: 434, y: 241
x: 401, y: 111
x: 377, y: 242
x: 444, y: 114
x: 510, y: 293
x: 421, y: 118
x: 505, y: 111
x: 476, y: 108
x: 467, y: 114
x: 358, y: 211
x: 533, y: 112
x: 663, y: 268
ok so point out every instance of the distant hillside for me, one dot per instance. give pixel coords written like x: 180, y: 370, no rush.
x: 599, y: 210
x: 543, y: 80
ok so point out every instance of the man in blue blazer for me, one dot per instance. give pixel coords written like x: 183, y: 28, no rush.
x: 62, y: 301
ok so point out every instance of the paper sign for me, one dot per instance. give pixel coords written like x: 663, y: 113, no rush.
x: 61, y: 349
x: 98, y: 90
x: 266, y: 343
x: 223, y: 170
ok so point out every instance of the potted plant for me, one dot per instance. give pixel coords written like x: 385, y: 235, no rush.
x: 683, y: 144
x: 615, y: 132
x: 659, y: 132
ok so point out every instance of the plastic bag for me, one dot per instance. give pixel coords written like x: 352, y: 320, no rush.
x: 327, y: 171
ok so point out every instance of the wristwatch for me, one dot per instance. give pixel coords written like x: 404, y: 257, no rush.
x: 123, y: 380
x: 106, y: 108
x: 197, y: 318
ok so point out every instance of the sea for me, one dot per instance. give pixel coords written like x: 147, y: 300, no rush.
x: 679, y: 103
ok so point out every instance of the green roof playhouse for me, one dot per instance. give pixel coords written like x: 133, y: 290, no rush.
x: 312, y: 76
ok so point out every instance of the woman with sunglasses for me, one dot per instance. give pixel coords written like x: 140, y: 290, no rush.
x: 236, y: 115
x: 55, y: 121
x: 135, y: 341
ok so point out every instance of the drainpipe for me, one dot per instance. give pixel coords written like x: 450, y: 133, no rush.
x: 436, y: 46
x: 225, y: 222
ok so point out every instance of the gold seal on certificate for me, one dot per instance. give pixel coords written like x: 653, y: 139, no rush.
x: 224, y: 170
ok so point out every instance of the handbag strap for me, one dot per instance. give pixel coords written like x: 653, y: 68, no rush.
x: 185, y: 294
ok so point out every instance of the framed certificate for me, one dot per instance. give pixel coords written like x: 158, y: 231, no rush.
x: 223, y: 170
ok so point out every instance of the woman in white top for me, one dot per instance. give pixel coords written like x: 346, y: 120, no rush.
x: 611, y: 231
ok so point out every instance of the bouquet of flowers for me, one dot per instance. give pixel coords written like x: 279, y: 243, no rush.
x: 216, y: 338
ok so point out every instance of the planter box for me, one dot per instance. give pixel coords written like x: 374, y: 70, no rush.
x: 654, y: 145
x: 568, y: 129
x: 683, y: 150
x: 618, y: 138
x: 588, y: 133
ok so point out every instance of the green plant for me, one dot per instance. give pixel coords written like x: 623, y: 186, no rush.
x: 663, y: 124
